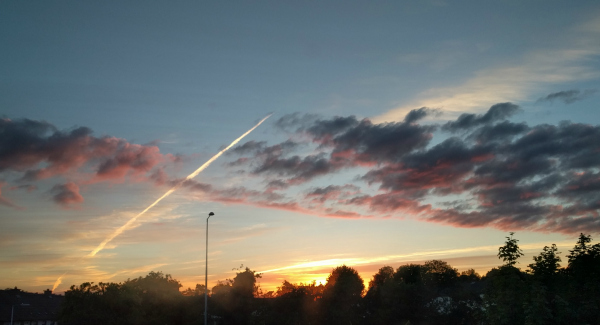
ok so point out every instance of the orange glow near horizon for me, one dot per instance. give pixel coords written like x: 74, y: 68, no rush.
x: 129, y: 223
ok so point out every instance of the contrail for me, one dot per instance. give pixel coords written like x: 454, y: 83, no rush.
x: 57, y: 282
x: 124, y: 227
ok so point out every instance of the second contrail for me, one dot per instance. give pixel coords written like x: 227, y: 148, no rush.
x: 126, y: 226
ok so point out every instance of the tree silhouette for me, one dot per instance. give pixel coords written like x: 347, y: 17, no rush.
x: 233, y: 300
x: 510, y: 252
x: 342, y: 295
x: 547, y: 263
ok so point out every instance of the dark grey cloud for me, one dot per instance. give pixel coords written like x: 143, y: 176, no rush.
x: 418, y: 114
x: 443, y: 168
x: 298, y: 169
x: 347, y: 142
x: 568, y: 96
x: 582, y: 187
x: 66, y: 194
x: 295, y: 122
x: 513, y: 176
x: 39, y: 150
x: 324, y: 130
x: 501, y: 132
x: 248, y: 147
x: 277, y: 184
x: 36, y: 150
x: 332, y: 192
x: 497, y: 112
x: 377, y: 143
x: 25, y: 143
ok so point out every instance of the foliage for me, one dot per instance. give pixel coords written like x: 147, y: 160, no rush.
x: 153, y: 299
x: 430, y: 293
x: 510, y: 252
x: 342, y: 296
x: 547, y: 263
x: 504, y: 294
x: 198, y: 291
x: 233, y: 299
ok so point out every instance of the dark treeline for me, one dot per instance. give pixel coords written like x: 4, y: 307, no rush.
x: 429, y: 293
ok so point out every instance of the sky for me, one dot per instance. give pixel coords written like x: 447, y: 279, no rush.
x: 396, y: 132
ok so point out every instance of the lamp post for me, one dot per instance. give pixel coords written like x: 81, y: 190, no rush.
x: 206, y: 274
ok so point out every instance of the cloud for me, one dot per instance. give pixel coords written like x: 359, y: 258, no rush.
x: 348, y: 141
x: 497, y: 173
x: 515, y: 82
x: 568, y: 96
x: 295, y: 122
x: 300, y: 169
x: 127, y: 159
x: 40, y: 150
x: 66, y: 194
x: 418, y: 114
x: 248, y: 147
x: 27, y: 187
x: 332, y: 192
x: 495, y: 113
x: 37, y: 150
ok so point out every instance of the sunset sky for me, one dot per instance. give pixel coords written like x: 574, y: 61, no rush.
x: 401, y: 131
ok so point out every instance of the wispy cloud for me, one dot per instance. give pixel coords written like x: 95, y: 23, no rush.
x: 568, y: 96
x: 421, y: 255
x: 513, y: 82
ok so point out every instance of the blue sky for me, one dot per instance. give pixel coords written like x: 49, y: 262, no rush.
x: 136, y: 96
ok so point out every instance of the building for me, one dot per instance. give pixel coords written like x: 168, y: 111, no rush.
x: 27, y: 308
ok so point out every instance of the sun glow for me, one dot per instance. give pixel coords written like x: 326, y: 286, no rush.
x: 129, y: 223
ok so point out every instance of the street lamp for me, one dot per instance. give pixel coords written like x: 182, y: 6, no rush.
x: 206, y: 274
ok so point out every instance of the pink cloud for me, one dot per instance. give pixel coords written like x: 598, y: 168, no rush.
x: 66, y: 194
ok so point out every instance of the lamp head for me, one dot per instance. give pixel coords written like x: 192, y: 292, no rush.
x: 211, y: 214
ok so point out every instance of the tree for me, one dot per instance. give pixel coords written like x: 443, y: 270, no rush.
x: 244, y: 283
x: 384, y: 274
x: 581, y: 248
x: 510, y: 252
x: 409, y: 274
x: 469, y: 276
x: 547, y: 263
x: 294, y: 304
x: 342, y: 295
x: 84, y: 304
x: 234, y: 299
x: 439, y: 274
x: 505, y: 296
x: 160, y: 297
x: 198, y: 291
x: 584, y: 275
x: 378, y: 299
x: 409, y: 294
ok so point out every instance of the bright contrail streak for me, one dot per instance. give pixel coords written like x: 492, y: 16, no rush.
x: 126, y: 226
x: 190, y: 176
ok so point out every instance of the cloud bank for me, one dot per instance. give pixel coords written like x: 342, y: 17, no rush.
x: 488, y: 172
x: 37, y: 150
x: 483, y: 170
